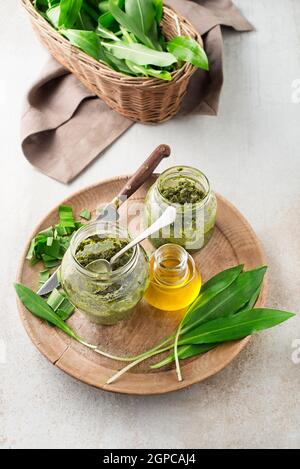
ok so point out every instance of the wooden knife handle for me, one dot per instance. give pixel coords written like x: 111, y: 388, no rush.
x: 143, y: 173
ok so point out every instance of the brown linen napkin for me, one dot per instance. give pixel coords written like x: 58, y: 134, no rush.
x: 64, y: 126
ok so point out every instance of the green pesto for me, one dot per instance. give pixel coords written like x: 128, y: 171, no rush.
x: 96, y: 247
x: 196, y: 206
x: 105, y: 300
x: 182, y: 192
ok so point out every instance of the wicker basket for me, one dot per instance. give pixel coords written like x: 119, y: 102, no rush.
x: 147, y: 100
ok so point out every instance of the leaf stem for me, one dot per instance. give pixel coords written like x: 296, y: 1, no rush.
x: 136, y: 362
x: 100, y: 352
x: 144, y: 354
x: 177, y: 363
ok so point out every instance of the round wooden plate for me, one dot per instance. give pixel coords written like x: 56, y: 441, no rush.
x: 233, y: 242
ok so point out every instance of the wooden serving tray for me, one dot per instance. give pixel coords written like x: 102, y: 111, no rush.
x: 233, y: 242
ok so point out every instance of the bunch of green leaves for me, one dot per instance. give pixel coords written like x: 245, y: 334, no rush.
x: 125, y: 35
x: 224, y: 311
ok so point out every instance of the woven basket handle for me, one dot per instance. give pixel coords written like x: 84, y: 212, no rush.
x: 145, y: 171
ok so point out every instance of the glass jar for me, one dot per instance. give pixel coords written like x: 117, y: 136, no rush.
x: 109, y: 297
x: 175, y: 281
x: 195, y: 221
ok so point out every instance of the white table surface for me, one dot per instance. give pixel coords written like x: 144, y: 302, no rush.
x: 251, y: 154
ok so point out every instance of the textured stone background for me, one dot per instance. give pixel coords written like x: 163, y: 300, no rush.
x: 251, y: 154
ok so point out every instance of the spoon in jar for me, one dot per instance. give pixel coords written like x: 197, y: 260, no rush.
x: 102, y: 266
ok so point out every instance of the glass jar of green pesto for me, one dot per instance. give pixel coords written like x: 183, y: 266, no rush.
x: 104, y: 297
x: 188, y: 190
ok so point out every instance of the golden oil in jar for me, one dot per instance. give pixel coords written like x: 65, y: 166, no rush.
x: 175, y: 281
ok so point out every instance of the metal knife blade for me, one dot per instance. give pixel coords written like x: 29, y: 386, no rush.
x: 108, y: 214
x: 50, y: 284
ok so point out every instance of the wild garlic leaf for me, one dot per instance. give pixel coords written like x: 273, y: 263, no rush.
x: 196, y: 312
x: 236, y: 327
x: 103, y: 6
x: 140, y: 54
x: 184, y: 352
x: 264, y: 321
x: 252, y: 302
x: 118, y: 64
x: 149, y: 71
x: 107, y: 20
x: 106, y: 33
x: 87, y: 41
x: 69, y: 11
x: 85, y: 22
x: 188, y: 50
x: 228, y: 301
x: 155, y: 36
x: 91, y: 10
x: 128, y: 23
x: 53, y: 15
x: 209, y: 290
x: 142, y: 12
x: 158, y: 5
x: 222, y: 280
x: 37, y: 306
x: 41, y: 5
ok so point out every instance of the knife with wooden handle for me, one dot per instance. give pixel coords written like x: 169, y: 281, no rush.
x: 110, y: 211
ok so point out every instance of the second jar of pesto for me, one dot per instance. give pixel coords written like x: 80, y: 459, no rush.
x: 188, y: 190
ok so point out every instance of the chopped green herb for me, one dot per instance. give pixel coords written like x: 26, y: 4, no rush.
x: 50, y: 245
x: 55, y: 299
x: 43, y: 276
x: 30, y: 254
x: 50, y: 241
x: 53, y: 250
x: 64, y: 315
x: 66, y: 216
x: 60, y: 304
x: 86, y: 214
x: 50, y: 262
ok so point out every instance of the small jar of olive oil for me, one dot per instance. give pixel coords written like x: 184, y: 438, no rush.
x: 174, y: 279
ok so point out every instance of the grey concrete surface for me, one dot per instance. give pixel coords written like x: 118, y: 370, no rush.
x: 251, y: 154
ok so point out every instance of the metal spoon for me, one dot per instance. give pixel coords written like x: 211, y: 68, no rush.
x: 103, y: 266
